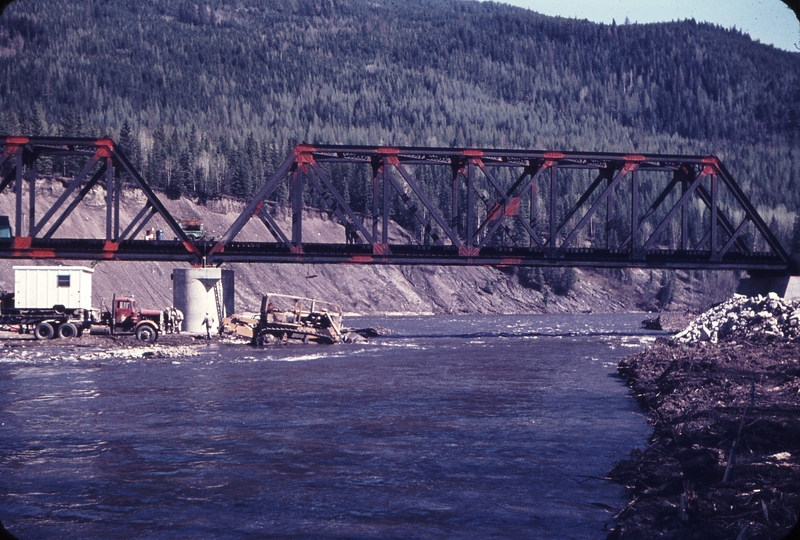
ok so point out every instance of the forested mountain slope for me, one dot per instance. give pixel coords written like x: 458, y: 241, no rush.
x: 215, y: 92
x: 208, y: 97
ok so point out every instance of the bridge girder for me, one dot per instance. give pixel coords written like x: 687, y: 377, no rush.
x: 99, y: 164
x: 503, y: 207
x: 513, y: 207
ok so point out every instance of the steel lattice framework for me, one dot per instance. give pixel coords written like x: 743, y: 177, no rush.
x: 99, y: 164
x: 507, y: 208
x: 503, y: 207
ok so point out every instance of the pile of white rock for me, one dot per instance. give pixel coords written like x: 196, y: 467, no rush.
x: 146, y: 353
x: 152, y: 351
x: 745, y: 318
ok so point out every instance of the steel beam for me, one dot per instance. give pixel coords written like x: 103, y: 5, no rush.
x: 486, y: 209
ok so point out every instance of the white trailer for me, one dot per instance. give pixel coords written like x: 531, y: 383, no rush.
x: 55, y: 301
x: 43, y: 287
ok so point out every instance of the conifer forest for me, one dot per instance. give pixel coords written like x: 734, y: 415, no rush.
x: 207, y: 97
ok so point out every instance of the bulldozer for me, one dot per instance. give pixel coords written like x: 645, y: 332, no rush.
x: 284, y: 318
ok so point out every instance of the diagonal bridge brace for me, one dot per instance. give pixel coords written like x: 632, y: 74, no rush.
x: 510, y: 204
x: 105, y: 161
x: 628, y: 167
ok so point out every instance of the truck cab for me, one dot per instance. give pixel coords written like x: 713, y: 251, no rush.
x: 126, y: 319
x: 193, y: 228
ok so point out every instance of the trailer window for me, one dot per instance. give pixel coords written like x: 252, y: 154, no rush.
x: 63, y: 280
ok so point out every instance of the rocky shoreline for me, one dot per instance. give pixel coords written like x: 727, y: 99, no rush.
x: 724, y: 402
x: 15, y: 346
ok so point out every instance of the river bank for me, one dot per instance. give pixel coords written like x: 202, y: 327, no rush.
x: 724, y: 457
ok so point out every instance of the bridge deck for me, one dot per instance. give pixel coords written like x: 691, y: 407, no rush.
x: 273, y: 252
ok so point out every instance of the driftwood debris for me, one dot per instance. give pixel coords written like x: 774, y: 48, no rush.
x: 724, y: 457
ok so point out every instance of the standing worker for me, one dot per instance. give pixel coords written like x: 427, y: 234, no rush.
x: 348, y: 232
x: 207, y: 323
x: 178, y: 319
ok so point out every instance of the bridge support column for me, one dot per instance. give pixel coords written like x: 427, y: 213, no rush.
x: 788, y: 287
x: 200, y: 291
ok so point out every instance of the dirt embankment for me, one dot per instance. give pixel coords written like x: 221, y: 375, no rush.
x: 724, y: 457
x: 356, y: 288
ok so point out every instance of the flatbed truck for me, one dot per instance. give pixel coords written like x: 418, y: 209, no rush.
x: 43, y: 323
x: 122, y: 319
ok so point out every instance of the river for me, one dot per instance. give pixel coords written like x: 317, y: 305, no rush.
x: 452, y: 427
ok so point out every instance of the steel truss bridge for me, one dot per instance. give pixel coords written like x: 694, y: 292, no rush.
x: 503, y: 207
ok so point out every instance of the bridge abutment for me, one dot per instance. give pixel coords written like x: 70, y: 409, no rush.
x: 788, y: 287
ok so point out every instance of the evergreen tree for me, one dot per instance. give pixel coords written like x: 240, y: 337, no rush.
x: 125, y: 141
x: 157, y: 163
x: 795, y: 246
x: 238, y: 182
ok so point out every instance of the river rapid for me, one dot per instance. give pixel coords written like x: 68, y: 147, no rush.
x: 451, y: 427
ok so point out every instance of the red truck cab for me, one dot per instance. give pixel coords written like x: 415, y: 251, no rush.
x: 126, y: 319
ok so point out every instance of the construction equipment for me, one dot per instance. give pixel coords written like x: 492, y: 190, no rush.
x: 55, y: 301
x: 285, y: 318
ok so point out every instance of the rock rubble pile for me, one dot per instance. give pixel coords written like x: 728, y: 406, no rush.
x: 745, y: 318
x: 149, y: 352
x: 156, y: 351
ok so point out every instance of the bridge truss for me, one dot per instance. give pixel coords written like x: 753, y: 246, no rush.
x: 457, y: 207
x: 513, y: 207
x: 97, y: 166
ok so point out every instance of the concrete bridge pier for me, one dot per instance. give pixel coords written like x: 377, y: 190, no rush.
x: 200, y: 291
x: 787, y: 286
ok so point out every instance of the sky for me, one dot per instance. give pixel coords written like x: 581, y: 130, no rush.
x: 768, y: 21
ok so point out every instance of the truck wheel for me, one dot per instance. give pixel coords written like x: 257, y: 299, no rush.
x: 146, y: 333
x: 67, y: 330
x: 43, y: 330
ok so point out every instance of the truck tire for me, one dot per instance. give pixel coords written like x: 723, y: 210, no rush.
x: 44, y: 330
x: 146, y: 333
x: 67, y: 330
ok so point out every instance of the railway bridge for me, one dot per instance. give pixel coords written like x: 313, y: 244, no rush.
x: 407, y: 205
